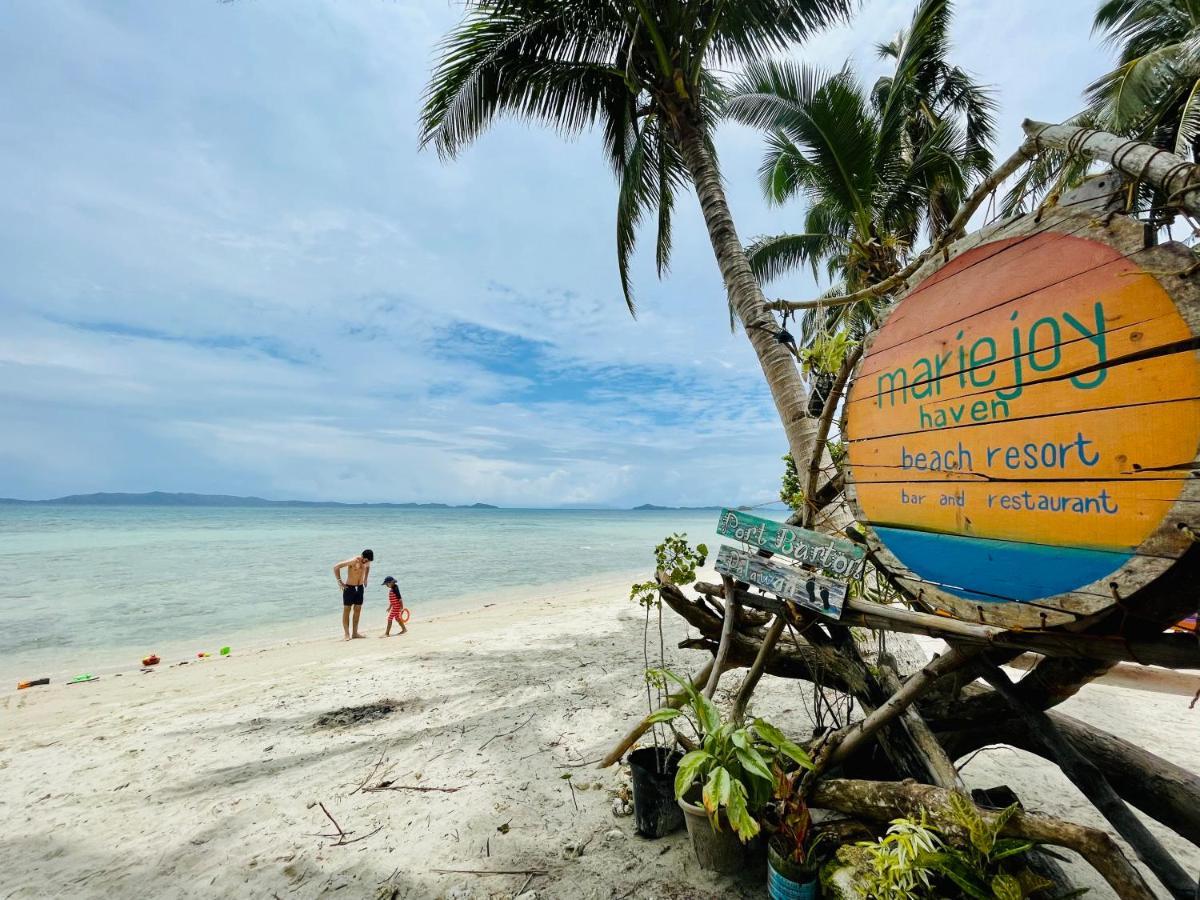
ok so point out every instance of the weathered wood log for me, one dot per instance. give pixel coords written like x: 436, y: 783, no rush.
x: 675, y: 701
x: 977, y: 716
x: 1088, y: 778
x: 1175, y: 176
x: 1162, y: 790
x: 882, y: 801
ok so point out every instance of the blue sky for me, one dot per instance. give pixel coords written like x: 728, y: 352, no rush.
x: 226, y: 267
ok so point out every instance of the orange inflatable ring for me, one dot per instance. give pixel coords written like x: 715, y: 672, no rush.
x: 404, y: 614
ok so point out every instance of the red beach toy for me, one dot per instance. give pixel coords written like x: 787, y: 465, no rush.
x: 151, y: 660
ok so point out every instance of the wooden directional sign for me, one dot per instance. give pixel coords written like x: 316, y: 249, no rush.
x: 808, y: 589
x: 1024, y: 428
x: 810, y: 547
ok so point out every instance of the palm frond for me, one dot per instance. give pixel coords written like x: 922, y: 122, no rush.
x: 771, y: 257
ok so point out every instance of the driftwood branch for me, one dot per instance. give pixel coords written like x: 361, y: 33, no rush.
x: 1088, y: 778
x: 882, y: 801
x: 794, y: 661
x: 941, y: 767
x: 823, y: 425
x: 675, y: 701
x: 1173, y: 651
x: 918, y: 683
x: 750, y: 682
x: 731, y: 614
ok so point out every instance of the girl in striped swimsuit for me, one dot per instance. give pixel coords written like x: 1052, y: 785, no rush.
x: 396, y: 611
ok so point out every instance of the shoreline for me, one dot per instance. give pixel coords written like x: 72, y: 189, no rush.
x: 113, y: 658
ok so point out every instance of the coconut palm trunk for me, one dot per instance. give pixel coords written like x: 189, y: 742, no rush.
x: 788, y: 389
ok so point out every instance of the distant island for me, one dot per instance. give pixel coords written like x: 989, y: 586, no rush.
x: 163, y: 498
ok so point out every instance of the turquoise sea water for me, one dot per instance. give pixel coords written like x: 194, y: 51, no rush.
x: 76, y: 580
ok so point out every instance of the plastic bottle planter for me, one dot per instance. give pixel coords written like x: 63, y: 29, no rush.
x: 717, y: 851
x: 788, y: 881
x: 821, y: 389
x: 655, y: 812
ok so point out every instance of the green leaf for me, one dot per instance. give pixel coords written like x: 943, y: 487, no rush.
x: 740, y: 819
x: 716, y: 790
x: 1032, y: 883
x: 662, y: 715
x: 776, y: 739
x: 689, y: 769
x: 706, y: 712
x: 754, y: 764
x: 1006, y: 847
x: 952, y: 865
x: 1005, y: 887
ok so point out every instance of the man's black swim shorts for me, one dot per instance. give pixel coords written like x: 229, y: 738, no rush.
x: 352, y: 595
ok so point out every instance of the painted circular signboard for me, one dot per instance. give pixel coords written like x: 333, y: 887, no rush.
x: 1024, y: 427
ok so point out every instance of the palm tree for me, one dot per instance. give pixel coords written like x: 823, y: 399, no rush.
x: 642, y: 71
x: 876, y: 168
x: 1154, y: 93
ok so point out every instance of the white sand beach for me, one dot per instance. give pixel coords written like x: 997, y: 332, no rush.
x: 207, y: 780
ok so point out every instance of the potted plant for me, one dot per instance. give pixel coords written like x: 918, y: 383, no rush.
x: 823, y: 359
x: 917, y: 859
x: 725, y: 782
x: 793, y: 864
x: 653, y: 769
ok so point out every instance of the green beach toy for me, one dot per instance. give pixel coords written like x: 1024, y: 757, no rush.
x: 225, y: 651
x: 83, y: 679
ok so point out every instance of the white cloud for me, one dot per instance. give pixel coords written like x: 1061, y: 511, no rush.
x: 225, y: 266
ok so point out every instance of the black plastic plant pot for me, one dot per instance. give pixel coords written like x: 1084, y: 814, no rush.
x: 787, y: 880
x: 655, y: 812
x: 822, y: 388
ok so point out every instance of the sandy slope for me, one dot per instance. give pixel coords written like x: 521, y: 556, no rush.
x: 203, y: 780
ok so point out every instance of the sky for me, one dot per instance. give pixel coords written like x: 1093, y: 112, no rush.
x: 226, y: 266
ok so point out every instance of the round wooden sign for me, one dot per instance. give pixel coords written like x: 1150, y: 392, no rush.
x: 1023, y: 429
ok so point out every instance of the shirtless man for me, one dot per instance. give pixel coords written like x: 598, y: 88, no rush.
x: 353, y: 587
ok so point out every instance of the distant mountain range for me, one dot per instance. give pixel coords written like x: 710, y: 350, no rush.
x: 165, y: 498
x: 161, y: 498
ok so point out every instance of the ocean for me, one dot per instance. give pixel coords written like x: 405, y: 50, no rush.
x: 84, y: 587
